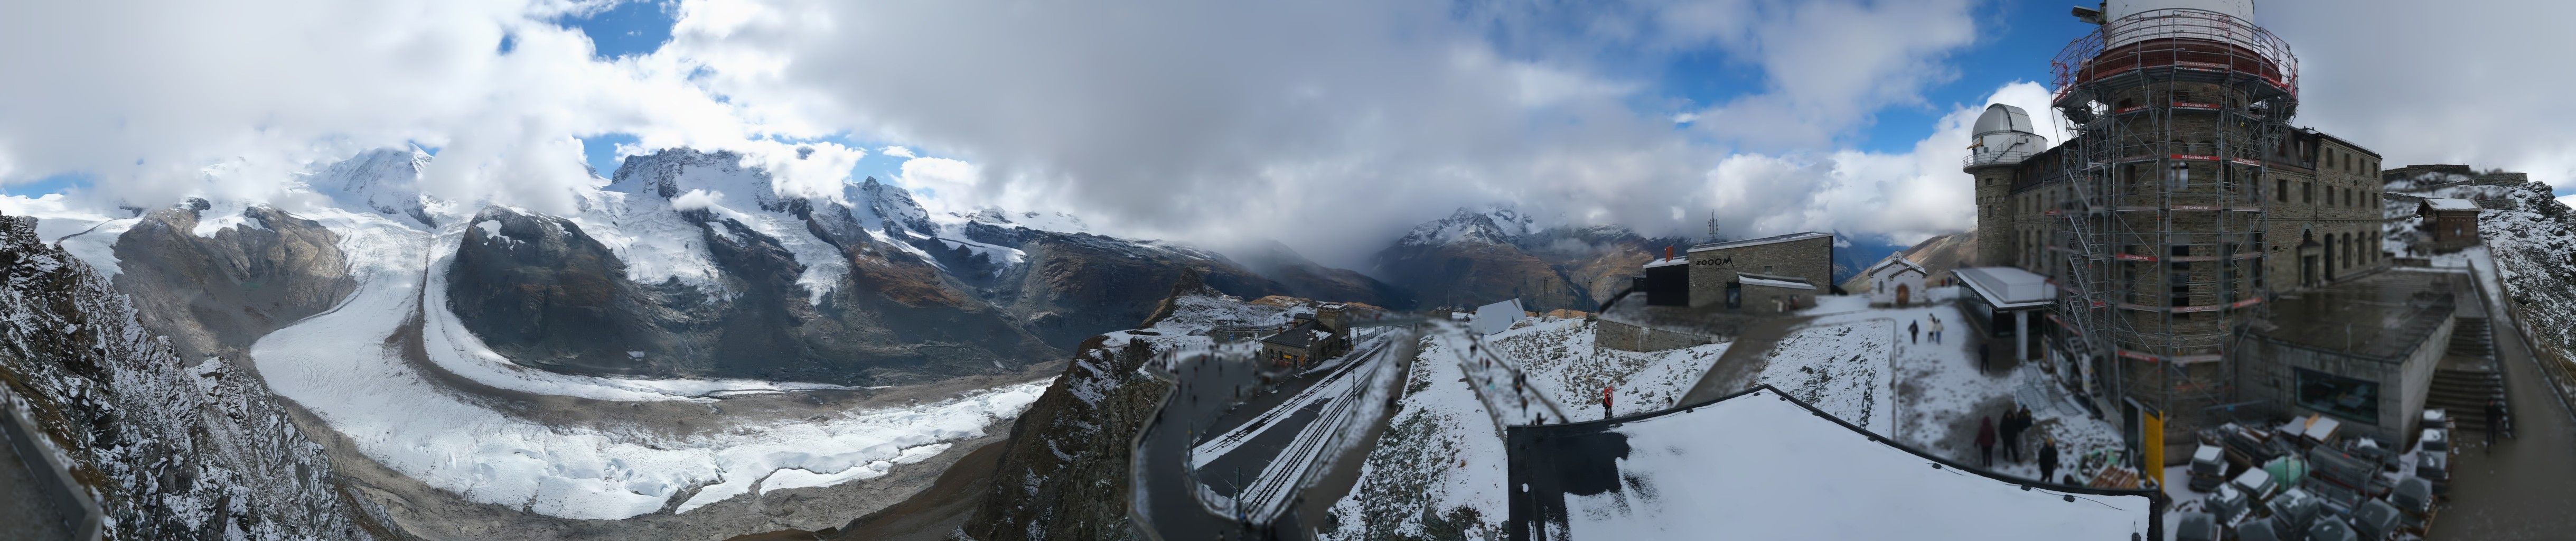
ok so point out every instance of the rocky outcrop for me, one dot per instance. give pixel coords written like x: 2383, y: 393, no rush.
x: 541, y: 291
x: 214, y: 294
x: 173, y: 448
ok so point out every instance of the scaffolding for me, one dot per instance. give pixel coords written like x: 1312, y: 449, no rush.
x: 2161, y: 224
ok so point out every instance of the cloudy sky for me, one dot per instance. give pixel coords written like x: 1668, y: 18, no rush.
x: 1326, y: 124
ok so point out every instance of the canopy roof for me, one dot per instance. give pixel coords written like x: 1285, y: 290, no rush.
x: 2008, y: 287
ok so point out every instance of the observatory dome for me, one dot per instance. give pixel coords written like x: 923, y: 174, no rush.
x: 2003, y: 118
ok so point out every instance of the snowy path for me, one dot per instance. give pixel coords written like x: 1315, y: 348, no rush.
x: 1498, y: 380
x: 338, y: 365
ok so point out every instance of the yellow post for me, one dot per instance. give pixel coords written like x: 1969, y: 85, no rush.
x: 2153, y: 424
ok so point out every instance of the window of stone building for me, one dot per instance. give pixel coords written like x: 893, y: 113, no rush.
x: 2308, y: 192
x: 2281, y: 189
x: 2349, y: 398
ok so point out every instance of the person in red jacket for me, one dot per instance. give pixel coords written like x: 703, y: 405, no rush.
x: 1605, y: 402
x: 1986, y: 440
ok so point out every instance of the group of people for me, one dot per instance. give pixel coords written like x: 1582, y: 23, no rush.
x: 2017, y: 421
x: 1914, y: 330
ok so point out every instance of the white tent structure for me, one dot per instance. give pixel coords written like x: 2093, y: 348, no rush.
x: 1499, y: 317
x: 1759, y: 466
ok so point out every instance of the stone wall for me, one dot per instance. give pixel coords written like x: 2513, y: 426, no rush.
x: 2403, y: 380
x: 1632, y: 337
x: 1711, y: 270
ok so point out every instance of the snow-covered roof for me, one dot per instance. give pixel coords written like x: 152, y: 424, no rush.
x: 2445, y: 203
x: 1899, y: 264
x: 2008, y: 287
x: 1766, y: 280
x: 1667, y: 262
x: 1760, y: 465
x: 1775, y: 239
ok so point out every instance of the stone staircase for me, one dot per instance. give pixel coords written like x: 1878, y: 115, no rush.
x: 2465, y: 387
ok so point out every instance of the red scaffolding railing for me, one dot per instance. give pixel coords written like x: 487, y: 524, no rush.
x: 2177, y: 38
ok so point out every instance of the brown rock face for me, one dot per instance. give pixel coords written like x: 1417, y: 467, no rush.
x: 216, y: 295
x: 545, y: 294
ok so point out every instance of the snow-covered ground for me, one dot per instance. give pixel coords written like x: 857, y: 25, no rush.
x: 1561, y: 361
x: 1438, y: 468
x: 1939, y: 391
x: 1842, y: 368
x: 1757, y: 468
x: 338, y: 366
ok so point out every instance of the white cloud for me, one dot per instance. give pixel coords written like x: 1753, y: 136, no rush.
x: 1339, y: 121
x: 697, y: 199
x: 2480, y: 83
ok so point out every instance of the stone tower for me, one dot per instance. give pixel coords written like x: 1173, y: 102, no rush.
x: 2004, y: 137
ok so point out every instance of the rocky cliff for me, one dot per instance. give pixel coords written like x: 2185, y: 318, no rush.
x: 175, y: 448
x: 777, y: 285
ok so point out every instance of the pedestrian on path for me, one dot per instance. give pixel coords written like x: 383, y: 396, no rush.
x: 1914, y: 329
x: 1986, y: 441
x: 2048, y: 460
x: 2495, y: 422
x: 1936, y: 329
x: 2011, y: 429
x: 1981, y: 357
x: 1605, y: 402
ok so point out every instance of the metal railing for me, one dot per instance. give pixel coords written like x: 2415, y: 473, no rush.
x: 2177, y: 37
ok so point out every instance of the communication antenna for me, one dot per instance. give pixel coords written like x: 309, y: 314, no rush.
x: 1712, y: 226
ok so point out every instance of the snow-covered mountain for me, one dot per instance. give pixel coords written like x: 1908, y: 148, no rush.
x: 384, y: 181
x: 1474, y: 257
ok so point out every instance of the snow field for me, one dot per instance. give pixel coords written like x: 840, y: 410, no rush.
x: 1689, y: 475
x: 337, y: 365
x: 1842, y: 368
x: 1939, y: 392
x: 89, y: 236
x: 1439, y: 460
x: 1562, y: 361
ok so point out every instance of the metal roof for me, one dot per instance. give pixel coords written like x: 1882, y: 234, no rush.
x: 2008, y: 287
x: 1660, y: 262
x: 2003, y: 118
x: 1775, y: 239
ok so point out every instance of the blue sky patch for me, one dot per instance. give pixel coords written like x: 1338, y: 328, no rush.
x: 628, y: 28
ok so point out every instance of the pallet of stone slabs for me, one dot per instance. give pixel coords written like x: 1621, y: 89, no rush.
x: 2349, y: 472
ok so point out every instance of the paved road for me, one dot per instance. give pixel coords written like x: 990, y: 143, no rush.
x: 2524, y: 488
x: 1735, y: 369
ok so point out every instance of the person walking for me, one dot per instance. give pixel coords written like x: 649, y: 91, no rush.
x: 2495, y: 422
x: 1986, y: 441
x: 1981, y: 357
x: 2011, y: 429
x: 1914, y: 330
x: 2048, y: 460
x: 1605, y: 402
x: 1936, y: 329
